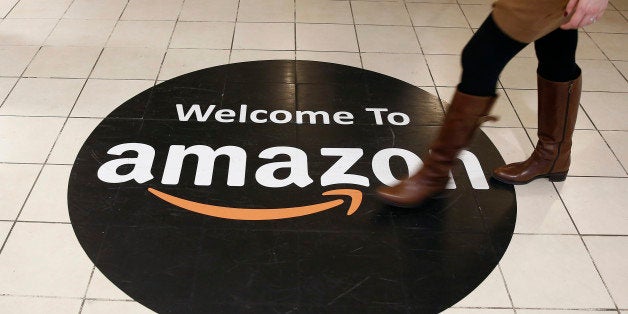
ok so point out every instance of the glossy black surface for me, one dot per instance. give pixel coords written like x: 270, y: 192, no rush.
x: 379, y: 260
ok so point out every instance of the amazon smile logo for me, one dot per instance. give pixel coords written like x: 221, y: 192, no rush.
x: 263, y: 213
x: 250, y: 188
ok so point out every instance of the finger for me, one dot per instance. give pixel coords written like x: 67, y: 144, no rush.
x: 574, y: 21
x: 570, y: 6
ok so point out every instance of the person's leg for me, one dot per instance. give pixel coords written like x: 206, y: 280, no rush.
x: 483, y: 59
x: 556, y: 53
x: 559, y: 85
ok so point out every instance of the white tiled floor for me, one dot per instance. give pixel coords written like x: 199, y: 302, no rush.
x: 65, y: 64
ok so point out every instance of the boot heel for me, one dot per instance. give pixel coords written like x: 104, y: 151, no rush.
x: 557, y: 177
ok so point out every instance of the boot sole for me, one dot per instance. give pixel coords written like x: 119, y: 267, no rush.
x: 553, y: 177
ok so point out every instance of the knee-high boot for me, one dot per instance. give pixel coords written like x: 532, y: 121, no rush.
x: 558, y: 107
x: 464, y: 116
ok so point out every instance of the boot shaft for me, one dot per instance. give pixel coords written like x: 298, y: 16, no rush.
x: 558, y: 104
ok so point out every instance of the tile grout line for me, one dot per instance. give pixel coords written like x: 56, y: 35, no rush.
x: 422, y: 52
x: 102, y: 50
x: 235, y: 27
x: 355, y: 29
x: 163, y: 59
x: 624, y: 167
x: 10, y: 10
x: 579, y: 234
x: 6, y: 239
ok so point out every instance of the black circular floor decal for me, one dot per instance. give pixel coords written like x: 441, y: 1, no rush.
x: 250, y: 188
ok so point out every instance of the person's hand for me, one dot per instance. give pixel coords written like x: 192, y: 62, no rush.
x: 586, y: 12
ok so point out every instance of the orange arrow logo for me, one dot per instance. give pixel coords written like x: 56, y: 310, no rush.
x: 262, y: 213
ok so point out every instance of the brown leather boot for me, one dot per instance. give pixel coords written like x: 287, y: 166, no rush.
x: 558, y: 108
x: 464, y: 116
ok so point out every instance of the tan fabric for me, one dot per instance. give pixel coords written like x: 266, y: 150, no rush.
x: 529, y: 20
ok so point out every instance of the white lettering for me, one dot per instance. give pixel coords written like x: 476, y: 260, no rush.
x: 299, y: 175
x: 337, y: 173
x: 194, y: 110
x: 205, y: 166
x: 312, y: 115
x: 225, y: 115
x: 378, y: 114
x: 142, y: 164
x: 381, y: 164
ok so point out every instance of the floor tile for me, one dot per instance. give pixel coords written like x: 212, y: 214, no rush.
x: 326, y: 37
x: 476, y: 14
x: 25, y: 31
x: 182, y: 61
x: 210, y: 35
x: 609, y: 255
x: 81, y: 33
x: 38, y: 305
x: 129, y: 63
x: 525, y: 103
x: 519, y: 73
x: 14, y: 59
x: 491, y: 293
x: 521, y: 311
x: 406, y: 67
x: 619, y: 4
x: 216, y: 10
x: 502, y: 109
x: 34, y: 9
x: 42, y: 97
x: 106, y: 307
x: 380, y: 13
x: 68, y: 62
x: 67, y: 268
x: 48, y: 200
x: 445, y: 69
x: 102, y: 288
x: 255, y: 55
x: 513, y: 143
x: 477, y: 311
x: 152, y: 34
x: 38, y: 133
x: 618, y: 141
x: 96, y: 9
x: 440, y: 15
x: 622, y: 66
x: 6, y: 84
x: 14, y: 194
x: 590, y: 156
x: 266, y: 36
x: 552, y: 271
x: 588, y: 49
x: 394, y: 39
x: 266, y: 11
x: 540, y: 210
x: 346, y: 58
x: 73, y: 135
x: 316, y: 11
x: 152, y: 10
x: 599, y: 105
x: 6, y: 6
x: 432, y: 42
x: 612, y: 44
x: 100, y: 97
x: 600, y: 75
x: 611, y: 22
x: 605, y: 195
x: 5, y: 227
